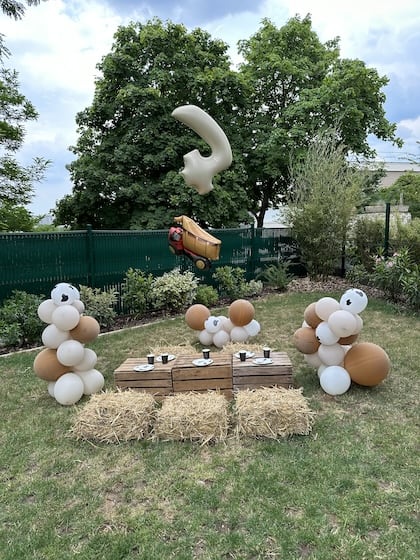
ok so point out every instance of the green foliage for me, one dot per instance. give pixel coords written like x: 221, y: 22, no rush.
x: 16, y: 218
x: 206, y: 295
x: 407, y: 235
x: 99, y: 304
x: 135, y: 291
x: 276, y: 275
x: 359, y: 275
x: 230, y: 281
x: 411, y: 287
x: 19, y: 321
x: 252, y: 288
x: 174, y: 291
x: 366, y: 238
x: 326, y: 192
x: 388, y: 273
x: 406, y: 189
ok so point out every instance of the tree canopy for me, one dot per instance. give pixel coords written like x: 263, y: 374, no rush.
x: 288, y: 88
x: 406, y: 189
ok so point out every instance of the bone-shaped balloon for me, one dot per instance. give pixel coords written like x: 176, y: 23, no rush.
x: 199, y: 171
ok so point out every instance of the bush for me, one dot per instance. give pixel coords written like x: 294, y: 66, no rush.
x: 135, y: 291
x: 206, y: 295
x: 388, y: 273
x: 99, y: 304
x: 276, y: 275
x: 367, y: 237
x: 359, y: 275
x: 411, y: 287
x: 230, y: 281
x: 19, y: 321
x: 174, y: 291
x: 252, y: 288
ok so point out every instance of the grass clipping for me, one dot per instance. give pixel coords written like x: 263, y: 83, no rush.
x: 114, y: 417
x: 195, y: 417
x: 272, y: 413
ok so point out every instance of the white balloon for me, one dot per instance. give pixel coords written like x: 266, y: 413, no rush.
x: 212, y: 324
x: 88, y: 362
x: 354, y: 300
x: 66, y: 317
x: 52, y: 336
x: 342, y: 323
x: 93, y: 381
x: 68, y: 389
x: 335, y: 380
x: 221, y: 338
x: 64, y: 294
x: 79, y: 305
x: 70, y: 353
x: 45, y: 310
x: 228, y: 325
x: 253, y: 328
x: 312, y: 359
x: 321, y: 369
x: 325, y: 306
x: 359, y: 324
x: 325, y: 335
x: 332, y: 354
x: 238, y: 334
x: 51, y: 386
x: 205, y: 338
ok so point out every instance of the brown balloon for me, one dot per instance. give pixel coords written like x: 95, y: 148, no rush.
x: 348, y: 340
x: 367, y: 364
x: 47, y: 366
x: 86, y: 330
x: 196, y: 315
x: 305, y: 340
x: 241, y: 312
x: 311, y: 317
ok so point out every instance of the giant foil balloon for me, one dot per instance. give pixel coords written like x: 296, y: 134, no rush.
x: 199, y: 171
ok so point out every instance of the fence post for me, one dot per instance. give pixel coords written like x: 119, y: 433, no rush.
x: 386, y: 236
x: 90, y: 256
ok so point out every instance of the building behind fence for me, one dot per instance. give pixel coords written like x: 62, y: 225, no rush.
x: 35, y: 262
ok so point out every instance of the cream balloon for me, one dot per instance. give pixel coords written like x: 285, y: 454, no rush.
x: 52, y: 336
x: 68, y: 389
x: 65, y: 317
x: 205, y: 338
x: 70, y: 353
x: 45, y: 310
x: 93, y: 381
x: 199, y: 171
x: 221, y: 338
x: 332, y: 354
x: 88, y: 362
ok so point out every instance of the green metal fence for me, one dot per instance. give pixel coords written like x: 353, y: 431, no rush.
x: 35, y: 262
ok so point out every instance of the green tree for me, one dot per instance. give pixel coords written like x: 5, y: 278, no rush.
x: 406, y: 189
x: 16, y: 218
x: 326, y: 191
x: 15, y: 9
x: 298, y: 86
x: 130, y: 148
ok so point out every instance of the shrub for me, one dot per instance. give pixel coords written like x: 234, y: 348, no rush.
x: 359, y: 275
x: 367, y: 236
x: 206, y: 295
x: 230, y: 281
x: 276, y: 275
x: 135, y: 291
x: 252, y: 288
x: 411, y: 287
x: 19, y: 321
x: 388, y: 273
x: 99, y: 304
x: 174, y: 291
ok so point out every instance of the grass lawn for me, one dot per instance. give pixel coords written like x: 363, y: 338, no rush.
x: 349, y: 491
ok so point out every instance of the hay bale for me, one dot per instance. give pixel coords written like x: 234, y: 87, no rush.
x: 195, y: 417
x: 114, y: 417
x: 272, y: 412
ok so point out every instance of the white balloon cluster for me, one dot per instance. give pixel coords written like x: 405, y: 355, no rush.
x: 329, y: 329
x: 65, y: 363
x: 239, y: 326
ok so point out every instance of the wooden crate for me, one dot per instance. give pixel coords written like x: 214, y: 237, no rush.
x: 247, y: 375
x: 188, y: 377
x: 158, y: 381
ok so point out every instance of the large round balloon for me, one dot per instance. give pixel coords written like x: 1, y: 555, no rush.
x: 65, y: 317
x: 354, y: 300
x: 305, y: 340
x: 241, y: 312
x: 335, y: 380
x: 68, y: 389
x: 86, y: 330
x: 196, y: 315
x: 367, y: 363
x: 325, y: 306
x: 310, y: 316
x: 47, y: 367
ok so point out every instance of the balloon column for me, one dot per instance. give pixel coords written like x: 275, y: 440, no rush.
x: 328, y: 341
x: 67, y: 366
x: 237, y: 327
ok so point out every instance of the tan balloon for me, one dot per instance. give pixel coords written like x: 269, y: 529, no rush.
x: 47, y: 367
x: 305, y: 340
x: 196, y: 315
x: 368, y: 364
x: 311, y: 317
x: 241, y: 312
x: 87, y: 329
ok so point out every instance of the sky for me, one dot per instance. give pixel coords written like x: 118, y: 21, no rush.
x: 56, y: 46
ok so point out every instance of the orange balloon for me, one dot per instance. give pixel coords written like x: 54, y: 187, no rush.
x: 196, y: 315
x: 305, y: 340
x: 241, y: 312
x: 86, y: 330
x: 367, y: 364
x: 311, y: 317
x: 47, y: 366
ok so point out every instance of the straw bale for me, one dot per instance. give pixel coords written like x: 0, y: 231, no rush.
x: 192, y: 416
x: 272, y: 412
x: 114, y: 417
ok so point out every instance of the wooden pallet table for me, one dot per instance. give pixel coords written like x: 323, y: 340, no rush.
x: 188, y: 377
x: 247, y: 375
x: 158, y: 381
